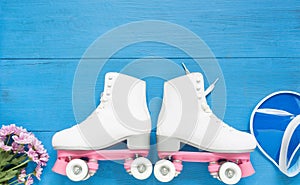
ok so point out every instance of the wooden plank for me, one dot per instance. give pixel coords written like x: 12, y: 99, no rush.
x: 38, y: 93
x: 193, y: 173
x: 59, y: 29
x: 41, y: 43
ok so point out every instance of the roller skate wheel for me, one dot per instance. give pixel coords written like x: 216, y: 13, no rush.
x: 90, y: 174
x: 230, y: 173
x: 141, y: 168
x: 87, y: 177
x: 77, y: 170
x: 164, y: 170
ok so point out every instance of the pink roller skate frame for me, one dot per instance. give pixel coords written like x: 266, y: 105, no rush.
x: 242, y: 159
x: 65, y: 156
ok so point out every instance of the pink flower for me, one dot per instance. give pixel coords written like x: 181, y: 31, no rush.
x: 29, y: 180
x: 2, y: 138
x: 44, y: 159
x: 5, y: 147
x: 33, y: 155
x: 23, y: 138
x: 21, y: 176
x: 18, y: 130
x: 38, y: 146
x: 17, y: 148
x: 7, y: 130
x: 18, y: 140
x: 38, y: 172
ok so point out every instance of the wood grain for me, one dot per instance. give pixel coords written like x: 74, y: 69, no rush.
x: 257, y: 45
x: 38, y: 93
x: 55, y: 29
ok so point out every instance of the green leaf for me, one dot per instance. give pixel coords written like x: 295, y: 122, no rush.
x: 1, y: 154
x: 2, y: 174
x: 9, y: 175
x: 4, y: 162
x: 10, y: 157
x: 18, y: 160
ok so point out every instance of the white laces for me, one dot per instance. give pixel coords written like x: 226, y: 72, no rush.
x: 211, y: 87
x: 204, y: 106
x: 105, y: 95
x: 103, y: 100
x: 224, y: 125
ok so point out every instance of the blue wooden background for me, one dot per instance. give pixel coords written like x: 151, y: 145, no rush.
x: 257, y: 45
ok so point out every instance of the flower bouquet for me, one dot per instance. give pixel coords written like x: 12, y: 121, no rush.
x: 18, y: 148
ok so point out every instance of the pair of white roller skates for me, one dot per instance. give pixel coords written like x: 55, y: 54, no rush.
x: 185, y: 118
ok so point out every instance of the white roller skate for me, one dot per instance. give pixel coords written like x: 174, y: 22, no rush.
x: 186, y: 118
x: 121, y: 116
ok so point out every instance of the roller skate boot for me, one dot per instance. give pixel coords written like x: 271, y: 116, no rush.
x: 122, y: 115
x: 186, y: 118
